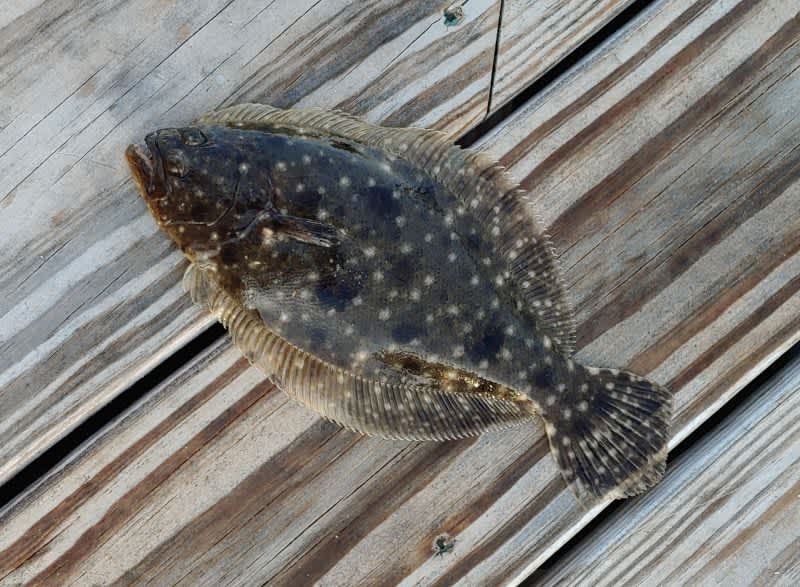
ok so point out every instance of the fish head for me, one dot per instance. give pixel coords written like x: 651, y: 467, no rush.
x: 198, y: 184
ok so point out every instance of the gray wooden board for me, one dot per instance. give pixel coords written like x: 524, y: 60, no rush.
x: 727, y: 513
x: 89, y: 289
x: 537, y: 34
x: 667, y: 167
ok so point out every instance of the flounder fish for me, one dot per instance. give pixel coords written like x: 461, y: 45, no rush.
x: 395, y: 283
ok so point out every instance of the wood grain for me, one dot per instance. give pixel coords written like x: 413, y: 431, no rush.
x: 537, y: 34
x: 89, y: 289
x: 666, y: 165
x: 726, y: 514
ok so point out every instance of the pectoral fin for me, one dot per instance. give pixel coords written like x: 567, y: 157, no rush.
x: 305, y: 230
x: 446, y: 377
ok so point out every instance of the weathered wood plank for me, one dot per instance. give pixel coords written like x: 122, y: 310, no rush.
x: 667, y: 166
x: 726, y: 514
x: 89, y: 290
x: 537, y: 34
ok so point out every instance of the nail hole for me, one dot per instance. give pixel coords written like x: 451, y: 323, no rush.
x: 453, y: 15
x: 443, y: 544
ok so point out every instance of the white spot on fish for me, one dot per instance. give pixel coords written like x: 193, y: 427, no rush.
x: 384, y: 314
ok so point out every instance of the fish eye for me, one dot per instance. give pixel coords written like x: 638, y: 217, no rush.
x: 175, y: 164
x: 193, y: 137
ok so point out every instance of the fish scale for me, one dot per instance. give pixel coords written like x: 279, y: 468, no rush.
x: 396, y: 284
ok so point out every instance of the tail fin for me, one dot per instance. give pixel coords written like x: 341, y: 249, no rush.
x: 609, y: 433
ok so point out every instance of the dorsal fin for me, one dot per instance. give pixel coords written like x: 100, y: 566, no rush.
x: 482, y: 186
x: 390, y: 409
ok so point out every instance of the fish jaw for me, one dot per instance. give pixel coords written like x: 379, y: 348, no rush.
x: 147, y: 171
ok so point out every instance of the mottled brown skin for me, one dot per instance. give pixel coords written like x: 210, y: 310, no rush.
x: 368, y: 263
x: 398, y: 271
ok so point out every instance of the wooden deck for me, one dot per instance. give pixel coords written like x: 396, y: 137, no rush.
x: 666, y: 163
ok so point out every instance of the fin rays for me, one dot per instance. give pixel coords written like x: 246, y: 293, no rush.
x: 616, y: 446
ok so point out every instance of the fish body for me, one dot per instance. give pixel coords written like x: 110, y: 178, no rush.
x: 394, y: 283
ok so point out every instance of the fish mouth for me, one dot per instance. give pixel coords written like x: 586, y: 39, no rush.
x: 147, y: 171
